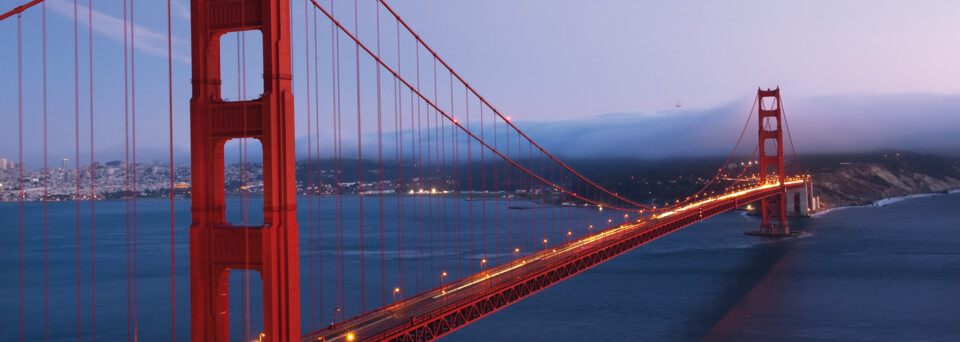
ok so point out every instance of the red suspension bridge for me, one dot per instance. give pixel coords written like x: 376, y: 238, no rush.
x: 397, y: 203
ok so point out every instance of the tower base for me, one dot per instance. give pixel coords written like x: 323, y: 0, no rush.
x: 774, y: 231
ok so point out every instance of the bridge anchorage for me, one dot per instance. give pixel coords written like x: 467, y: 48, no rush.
x: 773, y: 209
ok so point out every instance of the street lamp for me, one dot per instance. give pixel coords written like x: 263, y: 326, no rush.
x: 569, y: 235
x: 442, y: 275
x: 335, y: 312
x: 483, y: 263
x: 544, y: 243
x: 516, y: 253
x: 395, y: 291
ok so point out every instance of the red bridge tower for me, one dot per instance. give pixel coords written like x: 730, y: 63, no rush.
x: 215, y: 246
x: 774, y: 208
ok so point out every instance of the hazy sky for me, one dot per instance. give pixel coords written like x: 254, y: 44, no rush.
x: 581, y: 76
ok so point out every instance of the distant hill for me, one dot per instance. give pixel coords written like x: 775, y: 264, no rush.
x: 844, y: 180
x: 839, y: 179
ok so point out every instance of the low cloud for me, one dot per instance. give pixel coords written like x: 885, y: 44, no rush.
x: 858, y: 123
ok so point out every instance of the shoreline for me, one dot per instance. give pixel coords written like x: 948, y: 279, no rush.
x: 888, y: 201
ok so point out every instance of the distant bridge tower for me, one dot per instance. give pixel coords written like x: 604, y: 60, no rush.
x: 773, y: 208
x: 215, y: 246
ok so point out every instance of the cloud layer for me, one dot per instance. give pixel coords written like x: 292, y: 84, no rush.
x: 914, y: 122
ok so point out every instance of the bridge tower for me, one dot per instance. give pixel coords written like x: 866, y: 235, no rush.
x: 215, y: 246
x: 774, y: 208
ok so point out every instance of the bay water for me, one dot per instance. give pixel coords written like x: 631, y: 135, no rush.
x: 888, y: 272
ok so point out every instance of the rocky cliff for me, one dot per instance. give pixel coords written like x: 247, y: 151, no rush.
x: 845, y: 181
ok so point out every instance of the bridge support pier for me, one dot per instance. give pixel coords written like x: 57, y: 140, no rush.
x: 217, y: 247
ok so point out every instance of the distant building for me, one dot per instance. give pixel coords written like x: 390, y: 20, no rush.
x: 3, y: 163
x: 65, y: 164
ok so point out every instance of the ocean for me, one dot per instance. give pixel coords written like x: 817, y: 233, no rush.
x: 888, y: 272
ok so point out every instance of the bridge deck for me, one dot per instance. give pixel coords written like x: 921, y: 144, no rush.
x: 451, y: 306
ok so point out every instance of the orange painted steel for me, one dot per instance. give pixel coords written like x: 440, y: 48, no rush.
x: 773, y: 208
x: 215, y: 246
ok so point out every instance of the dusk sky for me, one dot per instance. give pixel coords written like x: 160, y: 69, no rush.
x: 583, y: 78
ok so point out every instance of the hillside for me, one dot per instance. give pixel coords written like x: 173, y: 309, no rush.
x: 839, y: 179
x: 858, y: 180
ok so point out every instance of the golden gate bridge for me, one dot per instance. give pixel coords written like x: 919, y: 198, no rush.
x: 441, y: 209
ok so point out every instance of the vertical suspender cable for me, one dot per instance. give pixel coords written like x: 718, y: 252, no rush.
x: 20, y: 156
x: 126, y: 162
x: 456, y: 194
x: 316, y: 122
x: 443, y: 169
x: 441, y: 162
x: 507, y: 186
x: 310, y: 185
x: 431, y: 220
x: 441, y: 198
x: 543, y: 209
x: 46, y: 174
x: 401, y: 199
x: 432, y: 144
x: 363, y: 283
x: 498, y: 203
x: 173, y: 243
x: 414, y: 213
x: 441, y: 184
x: 456, y: 172
x: 76, y: 155
x: 483, y: 189
x: 466, y: 106
x: 383, y: 257
x: 337, y: 151
x: 93, y: 189
x: 133, y: 150
x: 553, y: 220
